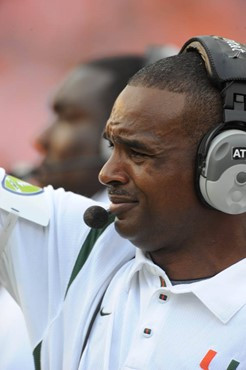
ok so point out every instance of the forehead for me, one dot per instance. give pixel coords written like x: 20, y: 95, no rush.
x: 141, y: 109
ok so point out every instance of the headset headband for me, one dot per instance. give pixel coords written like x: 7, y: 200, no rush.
x: 225, y: 61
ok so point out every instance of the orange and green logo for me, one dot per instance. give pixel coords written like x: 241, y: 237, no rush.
x: 208, y: 358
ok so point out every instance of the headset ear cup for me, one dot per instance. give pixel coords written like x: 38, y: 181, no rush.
x: 222, y: 180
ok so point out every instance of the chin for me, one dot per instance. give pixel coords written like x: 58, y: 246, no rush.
x: 124, y: 228
x: 128, y: 230
x: 135, y: 235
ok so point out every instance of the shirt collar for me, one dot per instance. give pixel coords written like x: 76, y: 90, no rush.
x: 223, y: 294
x: 140, y: 261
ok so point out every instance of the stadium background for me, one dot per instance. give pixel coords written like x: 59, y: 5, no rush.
x: 41, y: 40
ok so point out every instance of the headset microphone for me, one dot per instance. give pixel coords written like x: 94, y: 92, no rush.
x: 96, y: 217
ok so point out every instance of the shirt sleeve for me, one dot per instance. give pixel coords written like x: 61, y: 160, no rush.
x: 36, y: 261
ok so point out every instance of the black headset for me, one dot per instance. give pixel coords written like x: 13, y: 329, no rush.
x: 221, y: 156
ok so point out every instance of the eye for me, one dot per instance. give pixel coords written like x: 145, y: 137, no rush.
x: 137, y: 155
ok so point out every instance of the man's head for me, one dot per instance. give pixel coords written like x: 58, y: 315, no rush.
x: 72, y: 144
x: 155, y: 127
x: 186, y: 73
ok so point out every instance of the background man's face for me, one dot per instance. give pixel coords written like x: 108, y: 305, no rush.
x: 150, y: 171
x: 71, y: 144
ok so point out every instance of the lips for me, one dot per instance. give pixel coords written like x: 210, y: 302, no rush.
x: 121, y: 204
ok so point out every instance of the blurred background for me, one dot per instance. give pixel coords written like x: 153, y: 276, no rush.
x: 40, y: 41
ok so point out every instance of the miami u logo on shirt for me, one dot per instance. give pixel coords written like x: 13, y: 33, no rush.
x: 208, y: 358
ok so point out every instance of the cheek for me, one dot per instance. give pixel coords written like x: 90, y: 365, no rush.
x: 60, y: 139
x: 169, y: 189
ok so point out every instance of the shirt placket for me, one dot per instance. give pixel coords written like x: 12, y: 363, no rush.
x: 150, y: 328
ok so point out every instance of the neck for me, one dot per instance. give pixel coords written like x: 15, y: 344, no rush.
x: 206, y: 252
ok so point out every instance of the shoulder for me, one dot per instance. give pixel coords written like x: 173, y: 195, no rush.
x: 37, y: 204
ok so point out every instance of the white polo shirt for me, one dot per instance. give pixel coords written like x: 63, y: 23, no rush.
x: 143, y: 322
x: 15, y: 349
x: 148, y: 324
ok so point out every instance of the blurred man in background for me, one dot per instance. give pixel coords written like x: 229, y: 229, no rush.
x: 72, y: 145
x: 72, y: 149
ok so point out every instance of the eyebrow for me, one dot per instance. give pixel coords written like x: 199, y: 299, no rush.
x: 130, y: 143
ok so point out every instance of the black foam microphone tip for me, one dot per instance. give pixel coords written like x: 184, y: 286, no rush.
x: 96, y: 217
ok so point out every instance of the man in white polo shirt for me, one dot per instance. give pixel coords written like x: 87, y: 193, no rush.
x: 163, y: 285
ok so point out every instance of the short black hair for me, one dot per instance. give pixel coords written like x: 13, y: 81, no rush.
x: 186, y: 73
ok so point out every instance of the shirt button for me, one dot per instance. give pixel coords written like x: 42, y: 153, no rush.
x: 163, y: 298
x: 147, y: 332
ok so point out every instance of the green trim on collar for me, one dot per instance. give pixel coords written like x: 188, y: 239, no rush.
x: 36, y: 356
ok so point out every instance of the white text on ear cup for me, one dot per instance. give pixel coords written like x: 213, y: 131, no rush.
x: 222, y: 182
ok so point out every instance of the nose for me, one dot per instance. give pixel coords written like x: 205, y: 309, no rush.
x: 114, y: 172
x: 42, y: 142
